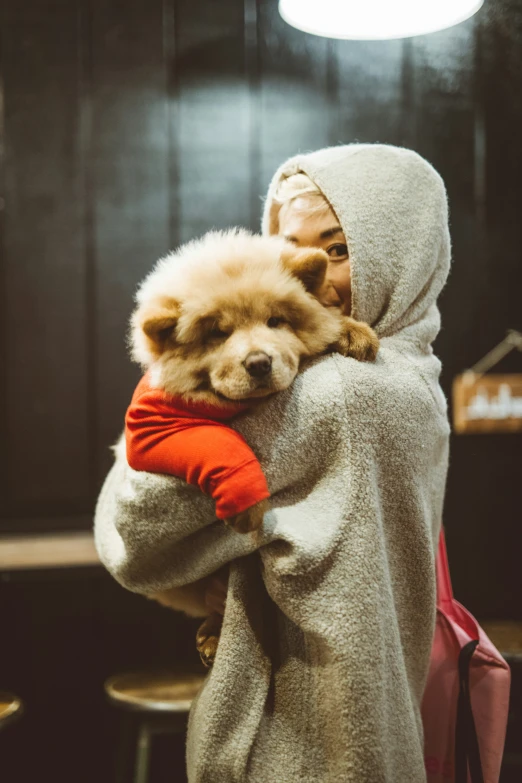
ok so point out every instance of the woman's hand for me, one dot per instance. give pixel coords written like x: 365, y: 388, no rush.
x: 216, y: 592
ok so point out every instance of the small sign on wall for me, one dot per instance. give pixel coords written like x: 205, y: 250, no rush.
x: 487, y: 403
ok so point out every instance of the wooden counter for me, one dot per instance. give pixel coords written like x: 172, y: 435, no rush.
x: 55, y: 550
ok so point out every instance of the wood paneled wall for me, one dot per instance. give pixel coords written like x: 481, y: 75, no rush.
x: 129, y: 126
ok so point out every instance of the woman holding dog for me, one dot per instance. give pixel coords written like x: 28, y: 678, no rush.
x: 330, y: 606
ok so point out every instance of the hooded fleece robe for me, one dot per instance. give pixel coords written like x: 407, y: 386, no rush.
x: 330, y: 611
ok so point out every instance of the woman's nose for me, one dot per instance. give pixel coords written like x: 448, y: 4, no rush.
x: 328, y: 296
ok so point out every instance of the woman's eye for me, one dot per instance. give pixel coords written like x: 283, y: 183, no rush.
x: 274, y: 322
x: 338, y: 251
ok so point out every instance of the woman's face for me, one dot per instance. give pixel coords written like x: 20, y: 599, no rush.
x: 320, y: 228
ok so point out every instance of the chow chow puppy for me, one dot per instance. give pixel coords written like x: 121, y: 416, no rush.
x: 210, y: 316
x: 228, y: 319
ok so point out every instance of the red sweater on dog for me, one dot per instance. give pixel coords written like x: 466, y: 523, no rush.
x: 165, y: 434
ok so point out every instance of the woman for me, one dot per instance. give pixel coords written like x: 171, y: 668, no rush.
x: 330, y: 608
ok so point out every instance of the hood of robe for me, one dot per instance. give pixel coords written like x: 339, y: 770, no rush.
x: 392, y: 207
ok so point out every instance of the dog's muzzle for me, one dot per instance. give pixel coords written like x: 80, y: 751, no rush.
x: 258, y: 364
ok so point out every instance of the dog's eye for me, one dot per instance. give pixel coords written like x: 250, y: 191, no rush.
x: 217, y: 334
x: 274, y: 322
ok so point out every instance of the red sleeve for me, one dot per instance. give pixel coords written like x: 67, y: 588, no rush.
x: 166, y: 437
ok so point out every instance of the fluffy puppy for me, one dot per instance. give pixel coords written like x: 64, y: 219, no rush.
x: 232, y: 315
x: 229, y: 319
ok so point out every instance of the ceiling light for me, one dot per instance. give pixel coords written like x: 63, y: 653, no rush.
x: 375, y: 19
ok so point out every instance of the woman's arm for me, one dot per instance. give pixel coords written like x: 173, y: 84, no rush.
x: 199, y: 599
x: 154, y: 532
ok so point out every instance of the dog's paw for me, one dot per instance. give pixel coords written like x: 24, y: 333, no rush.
x: 249, y: 520
x: 358, y: 340
x: 207, y: 638
x: 207, y: 650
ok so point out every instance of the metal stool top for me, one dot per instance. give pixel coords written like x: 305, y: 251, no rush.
x: 10, y: 708
x: 150, y: 691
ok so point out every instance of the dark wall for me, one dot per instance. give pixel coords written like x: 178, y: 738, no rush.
x: 132, y: 125
x: 63, y: 634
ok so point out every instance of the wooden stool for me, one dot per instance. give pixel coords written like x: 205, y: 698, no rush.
x: 160, y: 702
x: 11, y: 708
x: 507, y: 637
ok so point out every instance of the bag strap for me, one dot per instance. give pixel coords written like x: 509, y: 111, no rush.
x: 444, y: 588
x: 466, y: 741
x: 467, y: 750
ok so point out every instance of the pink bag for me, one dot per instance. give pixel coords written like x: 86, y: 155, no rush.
x: 465, y: 705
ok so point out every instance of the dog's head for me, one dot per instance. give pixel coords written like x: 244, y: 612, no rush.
x: 230, y: 316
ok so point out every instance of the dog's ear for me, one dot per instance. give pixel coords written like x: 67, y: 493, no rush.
x: 157, y: 324
x: 308, y: 264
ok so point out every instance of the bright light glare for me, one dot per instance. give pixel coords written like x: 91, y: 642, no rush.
x: 373, y: 20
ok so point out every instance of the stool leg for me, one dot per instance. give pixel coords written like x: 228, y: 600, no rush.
x: 126, y: 748
x: 142, y: 754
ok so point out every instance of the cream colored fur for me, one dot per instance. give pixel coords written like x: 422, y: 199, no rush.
x: 205, y: 308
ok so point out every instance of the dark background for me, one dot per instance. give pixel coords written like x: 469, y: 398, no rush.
x: 129, y: 126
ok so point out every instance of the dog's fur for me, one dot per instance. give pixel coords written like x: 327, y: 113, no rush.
x: 206, y: 310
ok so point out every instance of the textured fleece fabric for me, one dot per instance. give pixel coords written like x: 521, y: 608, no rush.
x: 330, y: 611
x: 193, y: 441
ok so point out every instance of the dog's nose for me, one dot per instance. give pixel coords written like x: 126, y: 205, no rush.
x: 258, y: 364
